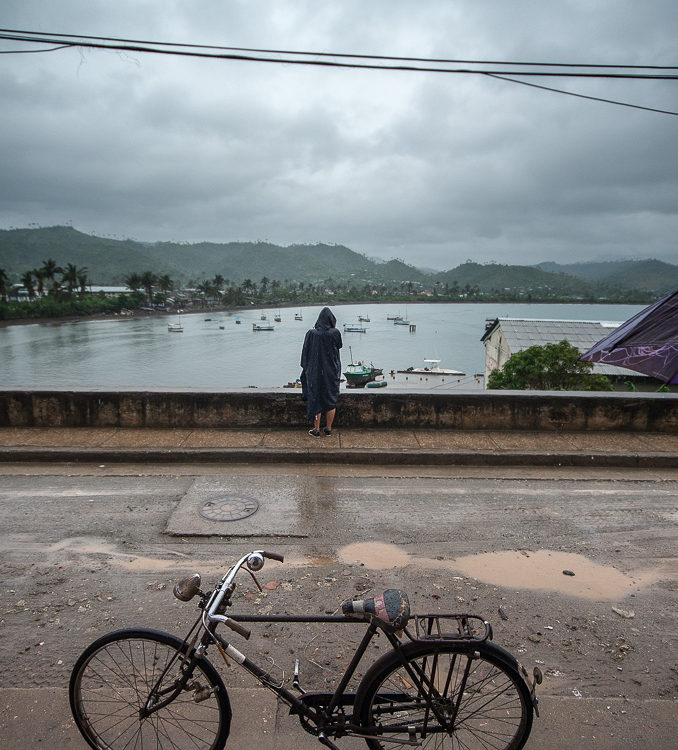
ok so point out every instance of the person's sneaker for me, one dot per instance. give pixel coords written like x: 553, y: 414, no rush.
x: 314, y: 433
x: 327, y: 431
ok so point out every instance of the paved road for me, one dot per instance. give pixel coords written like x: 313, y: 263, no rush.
x: 89, y: 549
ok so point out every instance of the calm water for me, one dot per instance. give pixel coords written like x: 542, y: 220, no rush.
x: 140, y: 353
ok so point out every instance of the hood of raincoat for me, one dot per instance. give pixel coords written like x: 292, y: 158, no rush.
x: 325, y: 320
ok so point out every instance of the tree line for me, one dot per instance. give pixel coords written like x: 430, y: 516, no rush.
x: 57, y: 291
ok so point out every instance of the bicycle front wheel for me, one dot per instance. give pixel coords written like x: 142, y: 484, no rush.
x: 113, y: 679
x: 446, y: 696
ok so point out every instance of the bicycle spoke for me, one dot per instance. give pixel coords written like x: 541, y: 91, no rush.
x: 119, y: 680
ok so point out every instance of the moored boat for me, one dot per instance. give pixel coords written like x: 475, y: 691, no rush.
x: 358, y: 375
x: 298, y: 316
x: 354, y: 328
x: 433, y: 369
x: 364, y: 318
x: 257, y: 327
x: 377, y: 384
x: 175, y: 328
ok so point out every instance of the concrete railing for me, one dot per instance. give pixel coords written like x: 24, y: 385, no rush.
x: 497, y: 410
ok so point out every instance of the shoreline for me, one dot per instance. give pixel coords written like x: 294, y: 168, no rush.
x: 221, y: 309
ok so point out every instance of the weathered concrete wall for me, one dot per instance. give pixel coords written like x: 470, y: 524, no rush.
x: 509, y: 410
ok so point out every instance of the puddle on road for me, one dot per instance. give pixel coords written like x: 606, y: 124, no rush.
x: 543, y: 569
x: 375, y: 555
x: 539, y: 570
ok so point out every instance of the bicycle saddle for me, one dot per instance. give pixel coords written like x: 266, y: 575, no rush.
x: 390, y: 610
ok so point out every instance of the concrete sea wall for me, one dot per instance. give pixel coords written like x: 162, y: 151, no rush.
x: 499, y: 410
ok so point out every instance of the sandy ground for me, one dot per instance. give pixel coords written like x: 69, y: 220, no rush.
x: 83, y: 555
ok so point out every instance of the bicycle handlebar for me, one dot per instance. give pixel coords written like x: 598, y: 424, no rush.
x: 239, y: 629
x: 273, y: 556
x: 225, y: 589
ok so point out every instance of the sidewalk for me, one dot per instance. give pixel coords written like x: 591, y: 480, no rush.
x: 369, y: 446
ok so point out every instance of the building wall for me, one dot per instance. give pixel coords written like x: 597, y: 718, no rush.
x: 497, y: 352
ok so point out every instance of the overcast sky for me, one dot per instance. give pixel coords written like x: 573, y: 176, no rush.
x: 430, y: 168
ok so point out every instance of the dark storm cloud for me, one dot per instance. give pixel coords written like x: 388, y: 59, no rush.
x: 430, y: 168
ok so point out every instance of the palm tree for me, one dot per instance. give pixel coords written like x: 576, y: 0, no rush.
x: 27, y: 281
x: 206, y: 289
x: 263, y: 284
x: 133, y: 281
x: 147, y: 281
x: 4, y: 282
x: 50, y: 269
x: 165, y: 283
x: 69, y: 276
x: 40, y: 277
x: 82, y: 281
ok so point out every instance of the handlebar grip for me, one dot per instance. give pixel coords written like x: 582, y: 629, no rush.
x: 238, y: 628
x: 274, y: 556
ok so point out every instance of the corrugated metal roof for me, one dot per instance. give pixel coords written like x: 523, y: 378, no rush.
x: 523, y: 333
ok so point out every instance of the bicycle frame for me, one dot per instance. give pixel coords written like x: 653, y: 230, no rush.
x: 322, y: 711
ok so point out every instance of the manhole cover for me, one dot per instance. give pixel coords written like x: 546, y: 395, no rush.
x: 230, y: 508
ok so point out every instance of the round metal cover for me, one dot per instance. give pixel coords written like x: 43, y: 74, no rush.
x: 229, y: 508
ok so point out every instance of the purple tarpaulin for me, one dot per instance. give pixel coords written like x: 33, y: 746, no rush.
x: 647, y: 343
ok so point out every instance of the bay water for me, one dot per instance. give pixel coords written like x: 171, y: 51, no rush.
x: 215, y: 353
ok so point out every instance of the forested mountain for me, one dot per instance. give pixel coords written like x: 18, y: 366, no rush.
x: 110, y: 261
x: 495, y: 277
x: 627, y: 274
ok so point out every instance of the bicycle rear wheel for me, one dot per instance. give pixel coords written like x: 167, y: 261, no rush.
x: 113, y: 679
x: 447, y: 696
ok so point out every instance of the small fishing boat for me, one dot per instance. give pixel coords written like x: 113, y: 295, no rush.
x: 358, y: 375
x: 432, y: 367
x: 175, y: 328
x: 377, y: 384
x: 363, y: 318
x: 258, y: 327
x: 263, y: 316
x: 354, y: 328
x: 401, y: 322
x: 277, y: 318
x: 394, y: 317
x: 238, y: 321
x: 298, y: 316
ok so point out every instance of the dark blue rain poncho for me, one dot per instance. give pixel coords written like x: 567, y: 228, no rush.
x: 321, y: 365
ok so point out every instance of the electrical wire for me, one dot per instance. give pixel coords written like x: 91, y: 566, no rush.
x: 583, y: 96
x: 341, y: 55
x: 124, y: 45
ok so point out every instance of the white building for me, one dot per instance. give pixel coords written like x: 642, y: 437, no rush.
x: 506, y: 336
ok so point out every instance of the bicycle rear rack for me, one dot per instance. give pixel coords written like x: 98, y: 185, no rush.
x: 454, y: 627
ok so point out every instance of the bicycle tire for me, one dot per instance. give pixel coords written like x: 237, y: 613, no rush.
x: 112, y: 679
x: 493, y: 710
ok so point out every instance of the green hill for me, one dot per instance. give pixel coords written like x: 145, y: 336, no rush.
x: 109, y: 261
x: 495, y: 277
x: 651, y: 275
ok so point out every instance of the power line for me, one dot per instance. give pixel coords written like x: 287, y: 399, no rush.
x: 342, y: 55
x: 188, y: 51
x: 583, y: 96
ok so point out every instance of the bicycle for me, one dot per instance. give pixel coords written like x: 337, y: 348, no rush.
x: 445, y: 684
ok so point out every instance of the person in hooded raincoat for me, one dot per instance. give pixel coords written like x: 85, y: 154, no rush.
x: 321, y: 371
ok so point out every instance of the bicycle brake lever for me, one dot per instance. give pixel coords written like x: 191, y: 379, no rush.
x: 255, y: 579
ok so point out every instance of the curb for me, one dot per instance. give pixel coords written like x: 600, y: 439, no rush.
x: 360, y: 456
